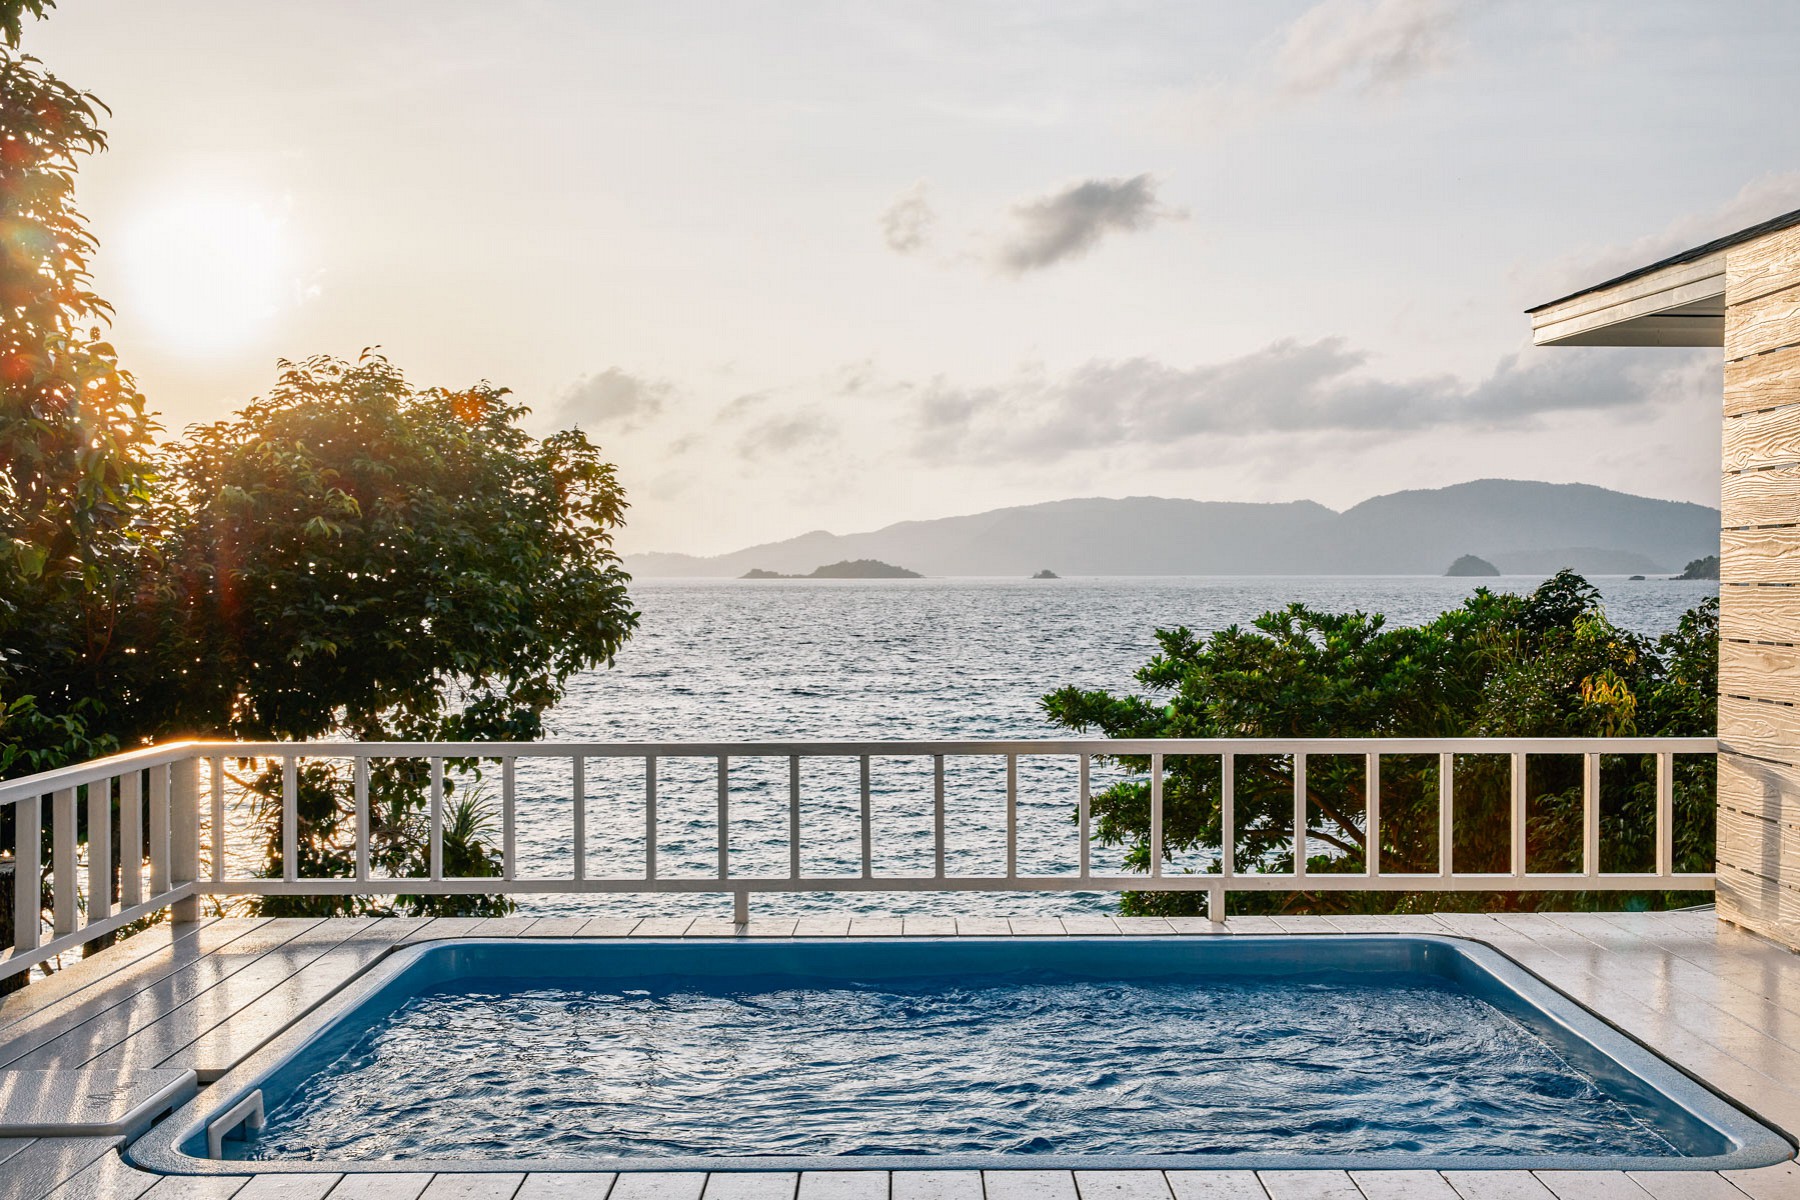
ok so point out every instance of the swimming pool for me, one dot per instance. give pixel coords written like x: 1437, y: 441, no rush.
x: 1350, y: 1052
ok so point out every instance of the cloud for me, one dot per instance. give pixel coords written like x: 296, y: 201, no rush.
x: 1289, y: 387
x: 907, y: 224
x: 613, y: 399
x: 1068, y: 223
x: 1365, y: 45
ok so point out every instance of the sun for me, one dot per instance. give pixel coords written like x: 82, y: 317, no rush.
x: 207, y: 272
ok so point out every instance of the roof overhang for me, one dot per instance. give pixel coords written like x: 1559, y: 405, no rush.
x: 1676, y: 301
x: 1679, y: 305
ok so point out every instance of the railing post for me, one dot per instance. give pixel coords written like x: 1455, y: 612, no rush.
x: 578, y: 869
x: 437, y: 818
x: 28, y: 871
x: 99, y: 873
x: 937, y: 815
x: 740, y: 907
x: 793, y: 820
x: 65, y: 894
x: 1665, y: 814
x: 1372, y: 813
x: 184, y: 834
x: 650, y: 817
x: 724, y: 817
x: 1227, y: 814
x: 1012, y: 816
x: 359, y: 787
x: 290, y: 821
x: 1446, y: 815
x: 216, y: 769
x: 509, y: 840
x: 1084, y: 816
x: 868, y: 820
x: 1156, y: 816
x: 159, y: 830
x: 131, y: 839
x: 1519, y: 860
x: 1590, y: 815
x: 1299, y: 816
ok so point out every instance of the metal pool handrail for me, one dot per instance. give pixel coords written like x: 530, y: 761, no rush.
x: 163, y: 783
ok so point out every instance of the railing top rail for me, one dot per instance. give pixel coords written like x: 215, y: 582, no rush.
x: 46, y: 782
x: 829, y: 748
x: 94, y: 770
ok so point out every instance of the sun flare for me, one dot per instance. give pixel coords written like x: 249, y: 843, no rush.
x: 208, y: 271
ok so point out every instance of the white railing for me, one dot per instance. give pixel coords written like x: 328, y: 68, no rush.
x: 161, y: 787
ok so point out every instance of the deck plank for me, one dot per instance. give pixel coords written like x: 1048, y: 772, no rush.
x: 935, y: 1185
x: 1122, y: 1185
x: 1779, y: 1182
x: 1497, y: 1185
x: 1591, y: 1185
x: 656, y: 1185
x: 50, y: 1162
x: 103, y: 968
x: 1215, y: 1185
x: 565, y: 1185
x: 1309, y: 1185
x: 151, y: 1045
x: 751, y: 1185
x: 75, y: 1046
x: 473, y: 1185
x: 1403, y: 1185
x: 260, y: 1021
x: 107, y: 1178
x: 1029, y: 1185
x: 1686, y: 1185
x: 843, y: 1185
x: 38, y: 1026
x: 385, y: 1185
x: 289, y: 1187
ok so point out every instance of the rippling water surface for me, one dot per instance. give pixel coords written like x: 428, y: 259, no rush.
x: 966, y: 658
x: 1029, y: 1064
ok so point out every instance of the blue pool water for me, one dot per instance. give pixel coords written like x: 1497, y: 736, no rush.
x: 1017, y: 1064
x: 1355, y: 1052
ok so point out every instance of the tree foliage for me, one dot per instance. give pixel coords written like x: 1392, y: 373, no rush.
x: 1545, y: 665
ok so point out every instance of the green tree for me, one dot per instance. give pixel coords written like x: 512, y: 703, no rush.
x: 349, y: 555
x: 75, y: 438
x: 1544, y: 665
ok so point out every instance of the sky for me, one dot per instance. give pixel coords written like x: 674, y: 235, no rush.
x: 834, y: 265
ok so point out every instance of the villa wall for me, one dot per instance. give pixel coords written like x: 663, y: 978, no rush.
x: 1759, y: 563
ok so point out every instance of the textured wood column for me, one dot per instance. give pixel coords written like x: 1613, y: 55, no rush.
x: 1759, y: 561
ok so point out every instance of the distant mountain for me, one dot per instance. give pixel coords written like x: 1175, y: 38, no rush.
x: 1520, y: 527
x: 862, y: 568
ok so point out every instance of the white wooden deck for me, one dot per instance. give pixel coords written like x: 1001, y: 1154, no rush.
x: 1720, y: 1003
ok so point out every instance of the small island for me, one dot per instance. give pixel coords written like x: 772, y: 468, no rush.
x: 1046, y: 573
x: 1701, y: 568
x: 1469, y: 565
x: 861, y: 568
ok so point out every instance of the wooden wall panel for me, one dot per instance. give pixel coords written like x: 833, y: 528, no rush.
x: 1769, y: 264
x: 1760, y: 789
x: 1760, y: 555
x: 1762, y: 439
x: 1761, y: 672
x: 1766, y: 323
x: 1759, y: 904
x: 1762, y: 730
x: 1762, y: 381
x: 1759, y: 550
x: 1767, y: 497
x: 1754, y: 614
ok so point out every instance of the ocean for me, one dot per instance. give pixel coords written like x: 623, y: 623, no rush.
x: 718, y: 660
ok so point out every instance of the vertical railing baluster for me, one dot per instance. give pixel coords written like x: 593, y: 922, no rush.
x: 65, y: 895
x: 509, y: 836
x: 28, y: 871
x: 1299, y: 816
x: 184, y: 834
x: 1228, y: 814
x: 216, y: 780
x: 290, y: 819
x: 159, y: 830
x: 1156, y: 815
x: 868, y: 823
x: 650, y: 817
x: 1084, y: 818
x: 1665, y: 814
x: 1372, y: 813
x: 99, y: 872
x: 131, y: 839
x: 1012, y: 816
x: 360, y: 787
x: 937, y: 814
x: 1446, y: 815
x: 1519, y: 859
x: 793, y: 816
x: 437, y: 819
x: 724, y: 817
x: 1590, y: 814
x: 578, y: 869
